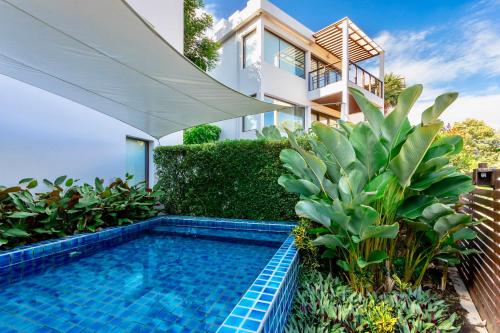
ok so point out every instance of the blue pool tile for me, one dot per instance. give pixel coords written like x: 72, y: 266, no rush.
x: 251, y: 325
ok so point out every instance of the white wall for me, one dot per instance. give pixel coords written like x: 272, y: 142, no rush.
x: 43, y: 135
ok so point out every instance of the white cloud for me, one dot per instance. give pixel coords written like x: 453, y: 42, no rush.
x: 468, y: 49
x: 483, y: 107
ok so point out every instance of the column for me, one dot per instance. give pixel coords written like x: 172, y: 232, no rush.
x: 381, y: 73
x: 344, y: 114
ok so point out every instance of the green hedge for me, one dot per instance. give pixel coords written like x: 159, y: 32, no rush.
x: 232, y: 179
x: 201, y: 134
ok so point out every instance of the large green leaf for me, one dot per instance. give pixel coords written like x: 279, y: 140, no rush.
x: 330, y: 241
x: 407, y: 161
x: 464, y: 234
x: 337, y: 144
x: 59, y: 180
x: 370, y: 111
x: 300, y: 186
x: 315, y: 164
x: 381, y: 231
x: 414, y: 206
x: 312, y: 211
x: 395, y: 121
x: 379, y: 183
x: 451, y: 223
x: 294, y: 162
x: 426, y: 180
x: 451, y: 186
x: 432, y: 113
x: 363, y: 218
x: 435, y: 211
x: 369, y: 150
x: 375, y: 257
x: 15, y: 232
x: 22, y: 215
x: 455, y: 140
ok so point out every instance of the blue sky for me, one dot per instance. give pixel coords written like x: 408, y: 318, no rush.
x: 444, y: 44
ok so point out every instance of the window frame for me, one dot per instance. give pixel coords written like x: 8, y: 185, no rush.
x: 243, y: 130
x: 275, y: 112
x: 244, y: 53
x: 279, y: 53
x: 147, y: 163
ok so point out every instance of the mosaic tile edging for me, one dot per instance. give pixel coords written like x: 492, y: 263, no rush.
x: 238, y: 224
x: 266, y: 304
x: 271, y: 292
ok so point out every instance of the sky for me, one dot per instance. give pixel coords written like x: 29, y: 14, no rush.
x: 446, y: 45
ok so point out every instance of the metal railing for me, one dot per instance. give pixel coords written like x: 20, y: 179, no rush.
x: 324, y: 76
x: 365, y: 80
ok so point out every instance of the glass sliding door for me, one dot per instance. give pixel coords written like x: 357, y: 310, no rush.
x: 138, y: 160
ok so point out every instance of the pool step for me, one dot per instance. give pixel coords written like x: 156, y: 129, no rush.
x: 243, y: 236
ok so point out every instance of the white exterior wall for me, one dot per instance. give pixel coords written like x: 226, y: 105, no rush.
x: 262, y: 78
x: 43, y: 135
x: 266, y: 79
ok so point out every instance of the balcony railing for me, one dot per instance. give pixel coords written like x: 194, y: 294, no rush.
x: 323, y: 76
x: 365, y: 80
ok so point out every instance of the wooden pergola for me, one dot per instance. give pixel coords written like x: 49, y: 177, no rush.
x: 361, y: 47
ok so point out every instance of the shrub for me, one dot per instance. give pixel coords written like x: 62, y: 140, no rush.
x: 68, y: 208
x: 326, y: 304
x: 201, y: 134
x: 381, y: 191
x: 231, y: 179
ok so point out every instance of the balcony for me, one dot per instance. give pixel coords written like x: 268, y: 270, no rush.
x: 324, y: 76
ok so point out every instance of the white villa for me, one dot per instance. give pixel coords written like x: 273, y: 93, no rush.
x: 268, y: 54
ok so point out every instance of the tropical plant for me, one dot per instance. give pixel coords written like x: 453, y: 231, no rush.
x: 324, y: 304
x: 394, y: 85
x: 371, y: 187
x: 273, y: 133
x: 201, y: 134
x: 481, y: 144
x: 198, y: 47
x: 67, y: 208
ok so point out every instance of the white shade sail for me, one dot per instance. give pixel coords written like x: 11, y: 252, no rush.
x: 101, y: 54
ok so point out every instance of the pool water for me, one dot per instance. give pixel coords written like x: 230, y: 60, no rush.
x: 154, y: 283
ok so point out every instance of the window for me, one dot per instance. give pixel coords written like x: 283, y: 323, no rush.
x: 137, y: 161
x: 250, y: 122
x: 250, y: 54
x: 291, y: 118
x: 284, y: 55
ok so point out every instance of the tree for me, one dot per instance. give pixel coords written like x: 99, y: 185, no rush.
x: 198, y: 47
x: 481, y: 144
x: 394, y: 84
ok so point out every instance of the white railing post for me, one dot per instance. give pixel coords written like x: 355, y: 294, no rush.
x: 381, y: 73
x: 344, y: 113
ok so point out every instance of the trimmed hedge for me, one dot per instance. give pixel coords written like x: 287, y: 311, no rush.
x: 231, y: 179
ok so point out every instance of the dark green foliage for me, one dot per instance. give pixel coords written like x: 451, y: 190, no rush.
x: 67, y: 208
x: 201, y: 134
x: 198, y: 47
x: 232, y: 179
x: 328, y: 305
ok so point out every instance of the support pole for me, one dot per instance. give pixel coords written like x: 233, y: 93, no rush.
x: 344, y: 114
x: 381, y: 74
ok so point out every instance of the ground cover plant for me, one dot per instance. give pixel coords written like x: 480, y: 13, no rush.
x: 328, y: 305
x: 68, y: 208
x: 380, y: 193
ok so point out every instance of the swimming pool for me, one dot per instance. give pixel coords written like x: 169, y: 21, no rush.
x: 168, y: 274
